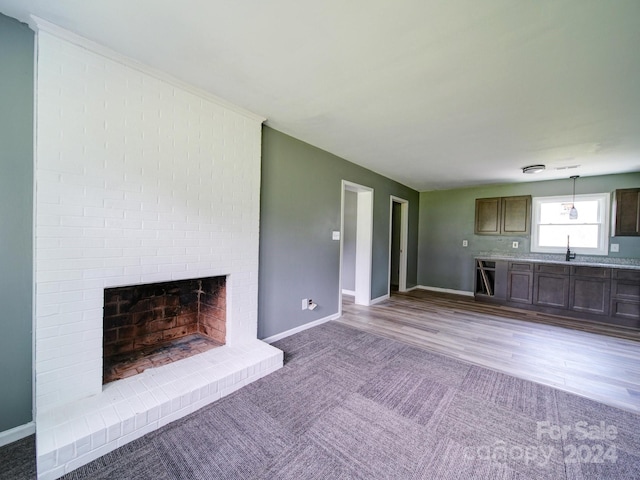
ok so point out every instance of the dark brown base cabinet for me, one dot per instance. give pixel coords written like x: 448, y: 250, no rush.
x: 551, y: 286
x: 603, y: 294
x: 625, y: 294
x: 590, y: 289
x: 625, y: 309
x: 519, y: 283
x: 495, y: 273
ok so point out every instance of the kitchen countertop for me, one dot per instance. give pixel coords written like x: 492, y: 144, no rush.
x: 585, y: 261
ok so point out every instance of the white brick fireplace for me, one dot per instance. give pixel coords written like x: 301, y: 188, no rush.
x: 139, y: 179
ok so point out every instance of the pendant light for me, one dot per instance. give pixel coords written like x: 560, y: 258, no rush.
x: 573, y: 213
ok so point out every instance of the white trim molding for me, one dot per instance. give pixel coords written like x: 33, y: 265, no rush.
x: 17, y: 433
x: 379, y: 299
x: 351, y: 293
x: 364, y: 243
x: 598, y: 219
x: 38, y: 24
x: 445, y: 290
x: 301, y: 328
x: 404, y: 230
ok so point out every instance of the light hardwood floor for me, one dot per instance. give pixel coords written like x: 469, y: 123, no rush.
x: 598, y: 362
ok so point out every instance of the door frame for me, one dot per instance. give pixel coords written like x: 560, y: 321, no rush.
x: 404, y: 229
x: 364, y: 242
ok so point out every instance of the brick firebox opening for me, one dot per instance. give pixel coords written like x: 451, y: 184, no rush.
x: 151, y: 325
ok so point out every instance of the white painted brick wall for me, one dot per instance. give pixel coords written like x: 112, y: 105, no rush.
x: 137, y: 181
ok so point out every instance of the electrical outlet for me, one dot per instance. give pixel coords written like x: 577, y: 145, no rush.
x: 305, y: 303
x: 615, y: 247
x: 514, y: 245
x: 465, y: 243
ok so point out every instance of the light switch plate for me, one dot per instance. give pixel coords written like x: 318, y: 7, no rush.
x: 514, y: 244
x: 615, y: 247
x: 335, y: 235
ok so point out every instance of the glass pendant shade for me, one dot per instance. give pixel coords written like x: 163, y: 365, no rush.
x: 573, y: 213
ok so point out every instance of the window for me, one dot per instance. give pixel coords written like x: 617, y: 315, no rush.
x: 552, y: 227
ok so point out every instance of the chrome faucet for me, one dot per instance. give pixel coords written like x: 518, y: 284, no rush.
x: 569, y: 256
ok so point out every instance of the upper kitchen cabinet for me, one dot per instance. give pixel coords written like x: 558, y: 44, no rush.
x: 627, y: 216
x: 516, y: 215
x: 503, y: 215
x: 488, y: 215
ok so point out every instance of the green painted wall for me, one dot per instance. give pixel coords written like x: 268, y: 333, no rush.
x: 300, y: 207
x: 16, y: 220
x: 447, y: 218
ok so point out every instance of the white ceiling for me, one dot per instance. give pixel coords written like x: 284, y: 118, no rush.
x: 432, y: 93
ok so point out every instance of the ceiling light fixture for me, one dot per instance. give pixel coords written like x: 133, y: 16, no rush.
x: 573, y: 213
x: 533, y: 169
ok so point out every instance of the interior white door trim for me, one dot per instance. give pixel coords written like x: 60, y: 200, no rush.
x: 404, y: 229
x: 364, y: 242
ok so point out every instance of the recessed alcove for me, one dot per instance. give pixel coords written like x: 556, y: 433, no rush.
x: 154, y: 324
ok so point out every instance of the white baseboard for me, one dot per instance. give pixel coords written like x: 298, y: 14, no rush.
x: 379, y: 299
x: 349, y: 292
x: 288, y: 333
x: 17, y: 433
x: 445, y: 290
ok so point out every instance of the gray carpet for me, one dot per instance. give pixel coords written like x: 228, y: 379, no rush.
x: 352, y: 405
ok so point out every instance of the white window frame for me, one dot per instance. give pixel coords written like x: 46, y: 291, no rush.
x: 603, y: 237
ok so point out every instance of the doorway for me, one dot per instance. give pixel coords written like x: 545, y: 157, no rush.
x: 398, y: 228
x: 356, y: 242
